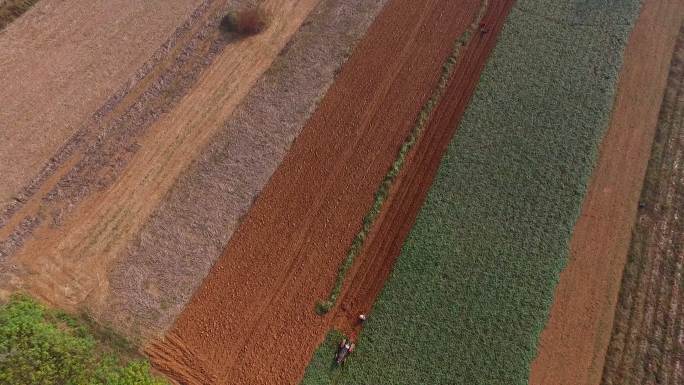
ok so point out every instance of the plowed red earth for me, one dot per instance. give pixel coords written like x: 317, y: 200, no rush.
x: 253, y: 320
x: 383, y: 245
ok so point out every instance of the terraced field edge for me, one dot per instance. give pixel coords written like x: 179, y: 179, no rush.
x: 471, y: 290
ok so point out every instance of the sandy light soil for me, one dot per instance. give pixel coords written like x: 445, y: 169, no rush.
x: 573, y: 345
x: 60, y: 62
x: 66, y: 262
x: 257, y: 304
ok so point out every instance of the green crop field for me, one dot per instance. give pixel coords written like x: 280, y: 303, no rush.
x: 472, y: 288
x: 48, y: 347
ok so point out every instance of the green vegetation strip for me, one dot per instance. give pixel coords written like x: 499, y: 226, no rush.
x: 12, y: 9
x: 472, y: 288
x: 323, y: 368
x: 48, y: 347
x: 322, y: 307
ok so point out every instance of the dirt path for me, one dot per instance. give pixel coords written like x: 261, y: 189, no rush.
x: 67, y: 263
x: 60, y: 62
x: 647, y: 344
x: 257, y: 304
x: 573, y: 345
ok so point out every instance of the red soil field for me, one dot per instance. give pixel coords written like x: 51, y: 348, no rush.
x: 253, y: 319
x: 383, y: 245
x: 573, y: 346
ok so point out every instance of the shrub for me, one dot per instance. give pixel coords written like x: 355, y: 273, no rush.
x: 248, y: 21
x: 42, y: 346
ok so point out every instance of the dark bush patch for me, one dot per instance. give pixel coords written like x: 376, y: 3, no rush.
x: 248, y: 21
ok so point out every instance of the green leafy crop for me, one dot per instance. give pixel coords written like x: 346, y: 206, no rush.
x: 39, y: 346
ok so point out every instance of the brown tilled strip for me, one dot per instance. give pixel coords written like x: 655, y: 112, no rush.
x: 392, y: 174
x: 671, y: 347
x: 298, y: 230
x: 676, y: 364
x: 673, y: 280
x: 177, y: 246
x: 674, y: 342
x: 660, y: 235
x: 643, y: 347
x: 642, y: 314
x: 638, y: 288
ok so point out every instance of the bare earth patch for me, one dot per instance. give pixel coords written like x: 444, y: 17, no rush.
x: 252, y: 321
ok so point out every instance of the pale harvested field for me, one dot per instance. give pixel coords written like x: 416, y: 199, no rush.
x: 94, y: 235
x: 67, y: 263
x: 59, y: 64
x: 154, y: 278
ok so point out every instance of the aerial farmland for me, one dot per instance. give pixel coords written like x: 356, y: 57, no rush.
x: 318, y: 192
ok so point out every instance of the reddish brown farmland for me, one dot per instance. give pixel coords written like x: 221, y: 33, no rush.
x: 373, y: 265
x: 648, y: 335
x: 573, y: 346
x: 253, y: 320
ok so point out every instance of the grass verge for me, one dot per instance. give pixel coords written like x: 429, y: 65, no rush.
x: 49, y: 347
x: 324, y: 306
x: 471, y: 291
x: 12, y: 9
